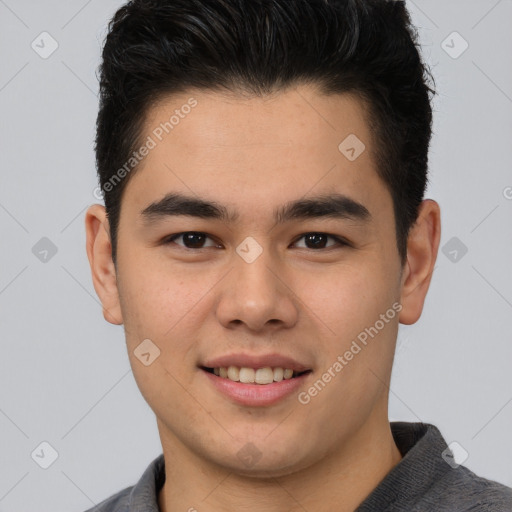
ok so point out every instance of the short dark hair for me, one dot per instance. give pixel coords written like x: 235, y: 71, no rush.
x: 368, y: 48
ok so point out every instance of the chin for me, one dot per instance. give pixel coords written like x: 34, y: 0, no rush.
x: 265, y: 463
x: 267, y: 470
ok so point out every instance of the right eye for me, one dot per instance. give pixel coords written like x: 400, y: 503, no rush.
x: 191, y: 240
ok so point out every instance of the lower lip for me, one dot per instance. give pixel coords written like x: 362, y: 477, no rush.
x: 256, y: 394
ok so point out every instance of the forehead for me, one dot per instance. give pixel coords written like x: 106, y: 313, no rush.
x: 231, y: 147
x: 276, y: 119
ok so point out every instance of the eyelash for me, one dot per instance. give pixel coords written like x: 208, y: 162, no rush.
x: 340, y: 241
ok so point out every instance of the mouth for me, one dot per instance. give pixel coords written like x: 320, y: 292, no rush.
x: 255, y: 387
x: 260, y: 376
x: 255, y: 380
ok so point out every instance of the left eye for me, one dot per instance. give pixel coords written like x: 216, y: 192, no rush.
x: 318, y: 240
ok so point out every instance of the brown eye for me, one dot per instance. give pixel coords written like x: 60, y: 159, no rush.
x: 191, y: 240
x: 319, y: 241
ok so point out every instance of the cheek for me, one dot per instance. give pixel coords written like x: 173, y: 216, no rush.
x: 165, y: 305
x: 155, y: 296
x: 159, y: 306
x: 347, y: 297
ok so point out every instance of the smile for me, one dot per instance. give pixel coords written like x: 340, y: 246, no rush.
x: 253, y: 387
x: 261, y: 376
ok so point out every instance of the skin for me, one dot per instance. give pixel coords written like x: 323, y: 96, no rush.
x: 253, y: 155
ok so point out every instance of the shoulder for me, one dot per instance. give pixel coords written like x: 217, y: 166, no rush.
x: 461, y: 490
x: 425, y: 479
x: 142, y: 495
x: 118, y: 502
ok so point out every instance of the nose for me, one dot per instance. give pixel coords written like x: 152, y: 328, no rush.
x: 255, y: 293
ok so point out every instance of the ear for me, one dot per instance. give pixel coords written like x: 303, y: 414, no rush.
x: 99, y: 252
x: 422, y: 247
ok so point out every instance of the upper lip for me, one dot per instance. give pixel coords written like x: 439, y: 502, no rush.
x: 255, y: 361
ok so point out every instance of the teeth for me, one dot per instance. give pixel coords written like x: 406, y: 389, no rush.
x: 246, y: 375
x: 233, y: 373
x: 265, y: 375
x: 278, y: 374
x: 288, y: 373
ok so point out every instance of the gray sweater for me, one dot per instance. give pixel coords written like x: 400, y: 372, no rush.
x: 425, y: 480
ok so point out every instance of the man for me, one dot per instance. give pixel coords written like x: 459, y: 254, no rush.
x: 263, y: 164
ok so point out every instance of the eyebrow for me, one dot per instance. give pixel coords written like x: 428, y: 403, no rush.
x: 335, y: 206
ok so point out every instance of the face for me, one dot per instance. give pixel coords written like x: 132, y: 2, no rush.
x: 253, y: 277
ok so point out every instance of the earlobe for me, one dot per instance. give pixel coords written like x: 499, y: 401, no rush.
x: 99, y: 253
x: 422, y: 248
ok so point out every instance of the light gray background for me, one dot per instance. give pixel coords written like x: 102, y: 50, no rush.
x: 64, y: 372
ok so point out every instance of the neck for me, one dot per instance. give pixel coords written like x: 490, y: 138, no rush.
x: 340, y: 481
